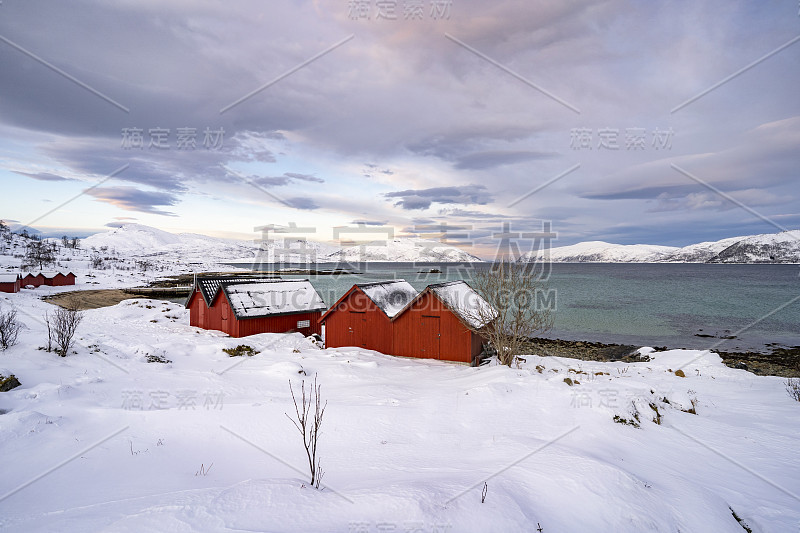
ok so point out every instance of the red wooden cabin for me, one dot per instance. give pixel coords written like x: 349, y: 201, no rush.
x: 241, y: 307
x: 54, y: 279
x: 435, y: 324
x: 204, y: 291
x: 10, y: 282
x: 60, y: 279
x: 31, y: 279
x: 37, y: 280
x: 47, y: 277
x: 363, y: 316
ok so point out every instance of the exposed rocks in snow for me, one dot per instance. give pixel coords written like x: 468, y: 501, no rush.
x: 8, y: 383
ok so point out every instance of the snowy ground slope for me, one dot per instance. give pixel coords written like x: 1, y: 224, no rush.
x: 406, y: 443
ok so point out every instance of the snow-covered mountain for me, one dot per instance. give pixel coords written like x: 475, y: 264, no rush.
x: 280, y: 250
x: 700, y: 252
x: 145, y: 241
x: 783, y: 247
x: 604, y: 252
x: 403, y: 250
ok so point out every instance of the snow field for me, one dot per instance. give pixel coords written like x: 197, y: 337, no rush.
x: 405, y: 443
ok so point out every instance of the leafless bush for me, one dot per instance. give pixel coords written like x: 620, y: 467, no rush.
x: 9, y: 328
x: 520, y: 307
x: 793, y: 388
x: 62, y: 326
x: 308, y: 425
x: 96, y: 261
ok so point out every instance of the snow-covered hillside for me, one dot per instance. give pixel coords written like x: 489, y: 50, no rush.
x: 103, y: 440
x: 404, y: 250
x: 604, y: 252
x: 783, y: 247
x: 145, y: 241
x: 700, y: 252
x: 290, y: 250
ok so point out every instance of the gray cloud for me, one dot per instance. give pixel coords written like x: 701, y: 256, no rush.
x: 423, y: 198
x: 496, y: 158
x: 133, y: 199
x: 370, y: 222
x: 42, y: 176
x: 286, y: 179
x: 304, y: 177
x: 301, y: 203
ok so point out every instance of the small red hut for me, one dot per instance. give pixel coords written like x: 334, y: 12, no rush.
x: 53, y: 279
x: 32, y: 280
x: 437, y: 323
x: 363, y: 316
x: 204, y: 292
x: 241, y: 307
x: 48, y: 277
x: 61, y: 279
x: 10, y: 282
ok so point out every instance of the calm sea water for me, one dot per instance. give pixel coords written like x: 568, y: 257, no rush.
x: 641, y: 304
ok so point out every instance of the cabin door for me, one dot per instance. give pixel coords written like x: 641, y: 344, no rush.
x: 357, y: 328
x: 431, y: 336
x: 225, y: 318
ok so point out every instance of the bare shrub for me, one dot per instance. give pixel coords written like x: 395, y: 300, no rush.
x: 62, y: 327
x: 309, y: 424
x: 96, y: 261
x: 9, y: 328
x: 793, y: 388
x: 518, y: 308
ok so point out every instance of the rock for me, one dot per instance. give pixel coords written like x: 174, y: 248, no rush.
x: 8, y: 383
x: 636, y: 357
x: 568, y: 381
x: 680, y: 373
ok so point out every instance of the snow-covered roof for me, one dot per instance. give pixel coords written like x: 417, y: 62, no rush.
x: 272, y: 297
x: 209, y: 285
x: 390, y: 296
x: 49, y: 273
x: 467, y: 304
x: 8, y: 278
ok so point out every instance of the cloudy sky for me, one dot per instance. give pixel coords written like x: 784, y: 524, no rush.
x: 629, y: 122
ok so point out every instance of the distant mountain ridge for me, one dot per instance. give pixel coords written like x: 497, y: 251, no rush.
x: 146, y: 241
x: 783, y: 247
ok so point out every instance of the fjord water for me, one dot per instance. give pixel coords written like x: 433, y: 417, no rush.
x: 674, y: 305
x: 679, y: 305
